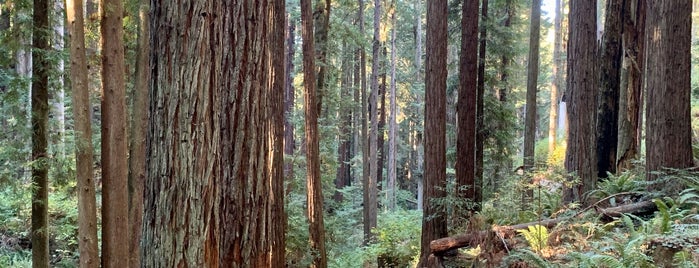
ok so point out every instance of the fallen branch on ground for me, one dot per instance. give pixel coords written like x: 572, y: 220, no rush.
x: 439, y: 246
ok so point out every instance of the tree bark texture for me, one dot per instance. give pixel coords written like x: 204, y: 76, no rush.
x: 632, y: 82
x: 314, y: 188
x: 371, y: 183
x: 87, y: 210
x: 532, y: 84
x: 668, y: 111
x: 434, y: 224
x: 609, y: 79
x: 581, y: 153
x: 214, y: 188
x: 138, y: 131
x: 115, y: 196
x: 556, y: 72
x: 466, y: 105
x: 321, y: 21
x: 40, y: 124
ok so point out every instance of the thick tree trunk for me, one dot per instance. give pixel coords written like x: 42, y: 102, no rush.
x: 314, y: 194
x: 532, y: 84
x: 581, y: 153
x: 434, y: 224
x: 139, y: 128
x: 214, y: 189
x: 115, y: 214
x: 556, y: 72
x: 632, y: 83
x: 87, y: 211
x: 371, y: 183
x: 466, y: 106
x: 366, y: 163
x: 40, y: 125
x: 609, y: 79
x: 668, y: 111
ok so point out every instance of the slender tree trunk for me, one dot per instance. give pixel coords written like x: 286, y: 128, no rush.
x: 381, y: 152
x: 557, y: 82
x: 434, y: 224
x: 419, y: 145
x: 532, y: 83
x: 58, y: 97
x: 289, y: 99
x: 392, y: 168
x: 321, y: 20
x: 370, y: 184
x: 87, y: 211
x: 314, y: 194
x: 581, y: 157
x: 214, y: 188
x: 342, y: 176
x: 40, y: 124
x: 668, y: 111
x: 480, y: 135
x: 608, y: 101
x: 466, y: 107
x: 139, y: 128
x: 115, y: 214
x: 632, y: 82
x: 366, y: 164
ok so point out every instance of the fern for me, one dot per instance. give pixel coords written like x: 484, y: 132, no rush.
x: 537, y: 236
x: 527, y: 256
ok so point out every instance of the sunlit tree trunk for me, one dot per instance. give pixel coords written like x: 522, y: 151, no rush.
x: 115, y: 196
x: 370, y: 184
x: 87, y: 211
x: 40, y: 123
x: 314, y: 194
x: 434, y: 224
x: 581, y: 153
x: 466, y: 106
x: 556, y: 72
x: 609, y: 79
x: 668, y: 111
x: 214, y: 188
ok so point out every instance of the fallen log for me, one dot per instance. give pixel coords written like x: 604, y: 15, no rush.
x: 440, y: 246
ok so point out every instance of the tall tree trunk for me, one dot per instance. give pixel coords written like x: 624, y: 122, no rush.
x: 289, y: 99
x: 58, y: 97
x: 392, y: 168
x: 214, y: 189
x: 581, y: 156
x: 321, y: 20
x: 434, y: 224
x: 115, y: 214
x: 370, y: 184
x: 466, y: 107
x: 139, y: 128
x: 314, y: 194
x: 480, y: 134
x: 668, y: 111
x: 532, y: 83
x: 380, y: 148
x: 342, y: 176
x: 632, y: 82
x: 609, y: 79
x: 366, y: 164
x: 419, y: 145
x: 40, y: 123
x: 87, y: 211
x: 557, y: 82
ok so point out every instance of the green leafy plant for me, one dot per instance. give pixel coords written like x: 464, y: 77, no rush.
x: 537, y: 236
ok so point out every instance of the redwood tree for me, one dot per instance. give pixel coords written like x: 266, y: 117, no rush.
x: 466, y: 104
x: 214, y: 187
x: 434, y: 224
x: 668, y: 112
x: 581, y: 99
x: 532, y: 84
x: 314, y: 195
x: 87, y: 211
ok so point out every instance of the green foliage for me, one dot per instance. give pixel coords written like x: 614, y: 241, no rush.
x: 537, y: 236
x: 526, y: 256
x: 625, y: 182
